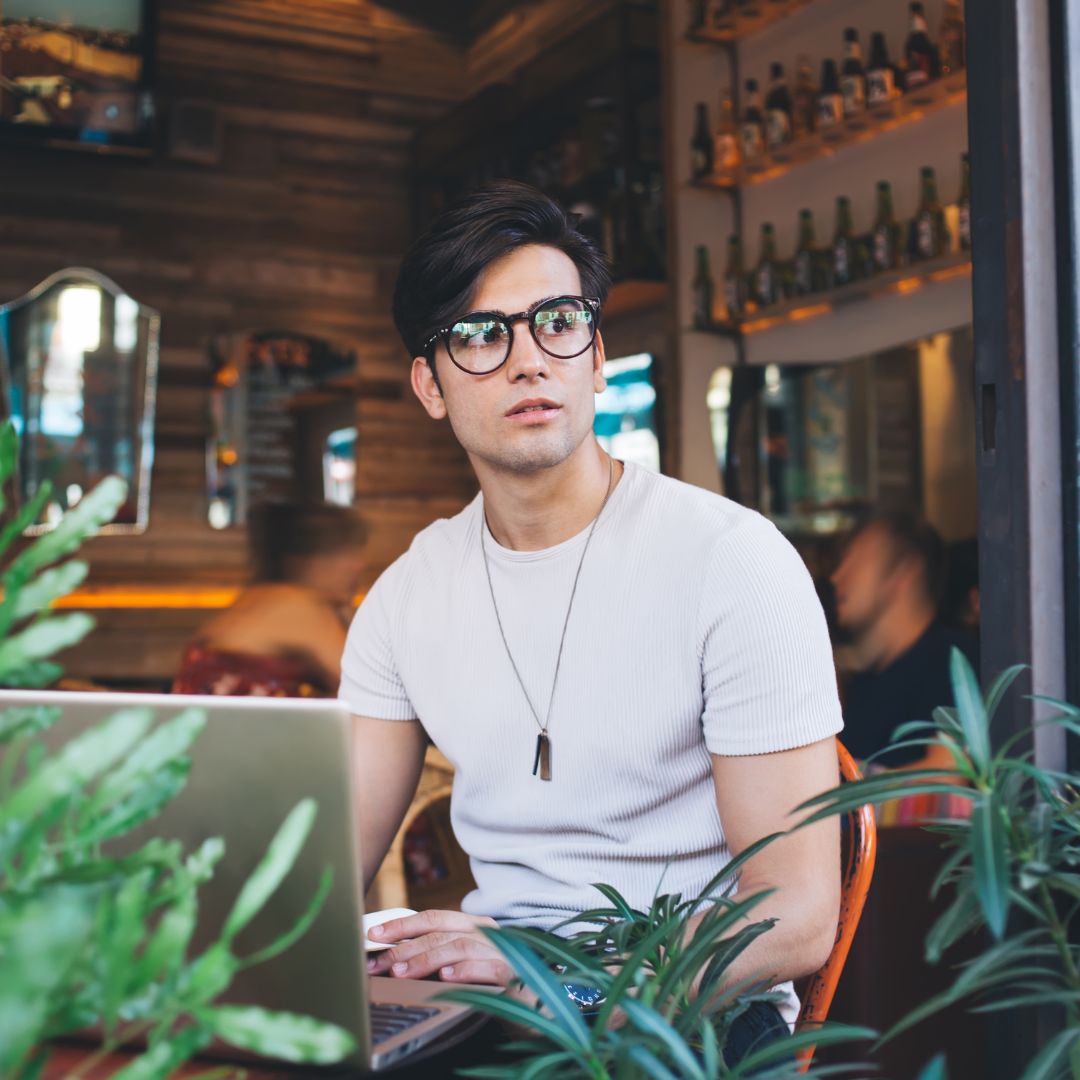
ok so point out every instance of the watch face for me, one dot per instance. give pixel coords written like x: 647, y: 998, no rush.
x: 585, y: 997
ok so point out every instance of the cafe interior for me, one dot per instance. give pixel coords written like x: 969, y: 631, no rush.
x: 203, y: 208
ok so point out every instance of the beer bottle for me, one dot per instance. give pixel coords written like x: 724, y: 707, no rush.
x: 843, y: 246
x: 726, y: 140
x: 880, y: 82
x: 930, y: 219
x: 886, y: 255
x: 767, y: 271
x: 963, y: 204
x: 921, y: 56
x: 703, y: 291
x: 778, y: 122
x: 804, y: 100
x: 752, y: 128
x: 701, y: 145
x: 830, y: 110
x: 951, y: 38
x: 806, y: 256
x: 852, y: 75
x: 735, y: 282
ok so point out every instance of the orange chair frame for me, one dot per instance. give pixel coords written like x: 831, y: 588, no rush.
x: 858, y: 856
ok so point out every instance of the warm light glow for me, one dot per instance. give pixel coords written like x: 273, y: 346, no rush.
x: 909, y: 285
x: 949, y: 272
x: 133, y: 598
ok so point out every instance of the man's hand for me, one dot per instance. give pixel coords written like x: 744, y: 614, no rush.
x: 447, y: 943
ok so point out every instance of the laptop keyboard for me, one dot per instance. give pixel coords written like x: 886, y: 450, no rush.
x: 388, y: 1020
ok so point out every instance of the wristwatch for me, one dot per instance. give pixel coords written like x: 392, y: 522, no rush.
x: 587, y: 998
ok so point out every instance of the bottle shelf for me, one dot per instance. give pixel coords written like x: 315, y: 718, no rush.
x: 744, y: 26
x: 899, y: 282
x: 876, y: 121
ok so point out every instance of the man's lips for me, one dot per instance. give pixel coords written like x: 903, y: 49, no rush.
x: 534, y: 410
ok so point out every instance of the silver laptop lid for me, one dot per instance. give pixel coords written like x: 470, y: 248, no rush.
x: 254, y: 761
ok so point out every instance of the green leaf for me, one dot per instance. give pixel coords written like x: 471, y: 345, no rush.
x: 168, y: 945
x: 48, y: 586
x: 806, y: 1038
x: 26, y: 720
x: 299, y: 928
x: 141, y: 804
x: 161, y: 1059
x: 616, y: 900
x: 1000, y: 686
x: 207, y: 976
x: 40, y: 640
x: 272, y: 869
x: 651, y: 1065
x: 651, y: 1023
x: 934, y: 1069
x: 971, y: 711
x: 962, y: 916
x: 27, y: 514
x: 34, y: 676
x: 1052, y: 1060
x: 281, y: 1035
x: 990, y: 861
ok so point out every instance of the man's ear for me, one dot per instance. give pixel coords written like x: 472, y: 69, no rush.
x: 427, y: 389
x: 599, y: 382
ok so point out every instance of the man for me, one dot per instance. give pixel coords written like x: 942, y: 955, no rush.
x: 631, y: 676
x: 888, y: 587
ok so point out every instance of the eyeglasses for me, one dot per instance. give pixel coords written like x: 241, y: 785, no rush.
x: 480, y: 342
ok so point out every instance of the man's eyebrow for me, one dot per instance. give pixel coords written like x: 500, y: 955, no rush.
x: 499, y: 311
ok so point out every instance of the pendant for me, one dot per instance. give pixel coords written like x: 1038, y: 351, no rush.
x: 542, y: 759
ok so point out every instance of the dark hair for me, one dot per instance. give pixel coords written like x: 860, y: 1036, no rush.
x: 281, y: 532
x: 438, y: 275
x: 912, y: 537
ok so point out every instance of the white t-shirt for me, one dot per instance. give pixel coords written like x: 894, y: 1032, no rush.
x: 695, y: 629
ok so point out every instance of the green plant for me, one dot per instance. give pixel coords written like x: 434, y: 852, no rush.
x: 1013, y: 868
x: 89, y: 939
x: 646, y: 963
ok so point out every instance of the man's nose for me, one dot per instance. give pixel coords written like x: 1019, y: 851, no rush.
x: 527, y: 360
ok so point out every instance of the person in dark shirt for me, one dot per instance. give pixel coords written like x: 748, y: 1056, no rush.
x: 888, y: 589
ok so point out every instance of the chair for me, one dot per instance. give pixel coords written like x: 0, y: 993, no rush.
x: 858, y: 851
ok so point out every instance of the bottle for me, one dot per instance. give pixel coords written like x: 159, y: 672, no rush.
x: 921, y: 56
x: 886, y: 236
x: 721, y: 14
x: 805, y: 279
x: 951, y: 38
x: 734, y: 281
x: 880, y: 82
x: 843, y: 246
x: 701, y: 145
x: 930, y: 219
x: 963, y: 204
x: 778, y: 109
x: 698, y: 14
x: 804, y: 100
x: 726, y: 140
x: 852, y: 75
x: 830, y: 102
x: 703, y: 291
x: 752, y: 128
x: 767, y: 271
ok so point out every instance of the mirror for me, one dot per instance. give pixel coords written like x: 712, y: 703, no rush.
x: 78, y: 374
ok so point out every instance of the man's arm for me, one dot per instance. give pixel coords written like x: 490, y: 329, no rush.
x: 387, y: 758
x: 756, y: 796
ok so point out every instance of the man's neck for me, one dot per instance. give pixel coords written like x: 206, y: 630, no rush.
x: 893, y: 635
x: 533, y: 511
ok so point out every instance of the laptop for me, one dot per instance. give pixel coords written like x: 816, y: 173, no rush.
x: 254, y: 761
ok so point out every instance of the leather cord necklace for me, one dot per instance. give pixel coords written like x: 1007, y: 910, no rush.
x: 542, y: 756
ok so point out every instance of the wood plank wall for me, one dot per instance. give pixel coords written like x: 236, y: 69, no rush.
x: 296, y: 222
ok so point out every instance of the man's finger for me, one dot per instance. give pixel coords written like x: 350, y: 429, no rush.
x: 484, y: 972
x: 405, y: 951
x: 447, y: 955
x: 427, y: 922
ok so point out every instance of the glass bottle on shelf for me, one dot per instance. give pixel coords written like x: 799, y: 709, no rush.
x: 830, y: 102
x: 930, y: 238
x: 767, y: 271
x: 703, y: 290
x: 919, y: 52
x: 963, y: 204
x: 726, y: 140
x: 777, y: 109
x: 880, y: 81
x: 722, y: 14
x: 853, y: 75
x: 734, y: 281
x: 805, y: 278
x: 843, y: 245
x: 699, y: 10
x: 752, y: 128
x: 804, y: 99
x: 701, y: 145
x: 886, y: 238
x: 951, y: 38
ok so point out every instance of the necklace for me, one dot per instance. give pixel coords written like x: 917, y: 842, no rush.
x: 542, y: 756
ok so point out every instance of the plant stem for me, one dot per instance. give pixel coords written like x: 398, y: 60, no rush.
x: 1061, y: 940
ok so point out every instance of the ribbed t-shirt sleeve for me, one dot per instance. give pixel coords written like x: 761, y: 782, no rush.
x: 371, y: 684
x: 768, y: 677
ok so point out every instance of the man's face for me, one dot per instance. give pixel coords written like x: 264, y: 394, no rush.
x: 485, y: 410
x: 866, y: 580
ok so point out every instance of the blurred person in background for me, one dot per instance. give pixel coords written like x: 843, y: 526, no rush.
x: 284, y: 635
x: 889, y: 586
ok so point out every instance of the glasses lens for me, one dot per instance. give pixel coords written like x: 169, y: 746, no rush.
x: 564, y: 327
x: 479, y: 344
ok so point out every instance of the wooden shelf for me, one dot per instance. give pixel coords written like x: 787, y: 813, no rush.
x: 744, y: 26
x: 632, y: 296
x: 907, y: 279
x: 871, y: 124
